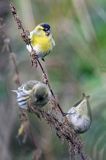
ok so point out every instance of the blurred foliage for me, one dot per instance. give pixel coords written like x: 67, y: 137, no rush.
x: 77, y: 64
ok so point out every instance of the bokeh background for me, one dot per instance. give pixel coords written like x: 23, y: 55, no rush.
x: 76, y: 65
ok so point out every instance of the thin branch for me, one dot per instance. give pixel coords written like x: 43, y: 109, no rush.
x: 56, y: 117
x: 63, y: 130
x: 35, y: 60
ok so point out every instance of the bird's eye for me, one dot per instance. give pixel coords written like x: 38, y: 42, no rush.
x: 45, y: 29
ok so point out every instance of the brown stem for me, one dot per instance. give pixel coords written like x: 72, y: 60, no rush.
x: 63, y: 129
x: 28, y: 42
x: 50, y: 87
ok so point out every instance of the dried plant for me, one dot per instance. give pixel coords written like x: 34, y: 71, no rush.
x: 22, y: 113
x: 6, y: 122
x: 55, y: 117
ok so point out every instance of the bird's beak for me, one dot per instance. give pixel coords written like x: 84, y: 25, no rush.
x: 48, y: 33
x: 15, y: 91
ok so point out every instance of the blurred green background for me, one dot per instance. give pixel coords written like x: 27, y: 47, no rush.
x: 77, y: 64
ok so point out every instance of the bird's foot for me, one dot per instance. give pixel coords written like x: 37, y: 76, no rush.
x: 43, y: 59
x: 65, y: 114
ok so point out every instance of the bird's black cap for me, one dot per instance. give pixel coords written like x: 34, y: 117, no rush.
x: 45, y: 26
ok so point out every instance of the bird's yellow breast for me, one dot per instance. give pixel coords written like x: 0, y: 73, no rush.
x: 43, y: 41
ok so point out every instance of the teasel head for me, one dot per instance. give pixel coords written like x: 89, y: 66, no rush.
x: 33, y: 91
x: 80, y: 115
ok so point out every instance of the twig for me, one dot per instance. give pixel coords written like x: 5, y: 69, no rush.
x: 63, y: 131
x: 35, y: 60
x: 56, y: 117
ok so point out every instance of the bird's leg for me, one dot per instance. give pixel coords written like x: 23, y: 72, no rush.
x: 43, y: 59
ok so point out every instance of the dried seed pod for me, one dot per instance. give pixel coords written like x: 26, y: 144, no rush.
x: 34, y: 91
x: 80, y: 115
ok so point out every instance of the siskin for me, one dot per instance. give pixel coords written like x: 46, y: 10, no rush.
x: 34, y: 91
x: 41, y: 40
x: 80, y: 115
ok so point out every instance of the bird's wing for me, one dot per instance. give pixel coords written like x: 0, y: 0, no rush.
x: 53, y: 42
x: 31, y: 34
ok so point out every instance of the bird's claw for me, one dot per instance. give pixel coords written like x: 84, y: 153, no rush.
x: 65, y: 114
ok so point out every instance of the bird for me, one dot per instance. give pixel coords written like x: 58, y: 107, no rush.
x: 80, y: 115
x: 34, y: 91
x: 41, y: 40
